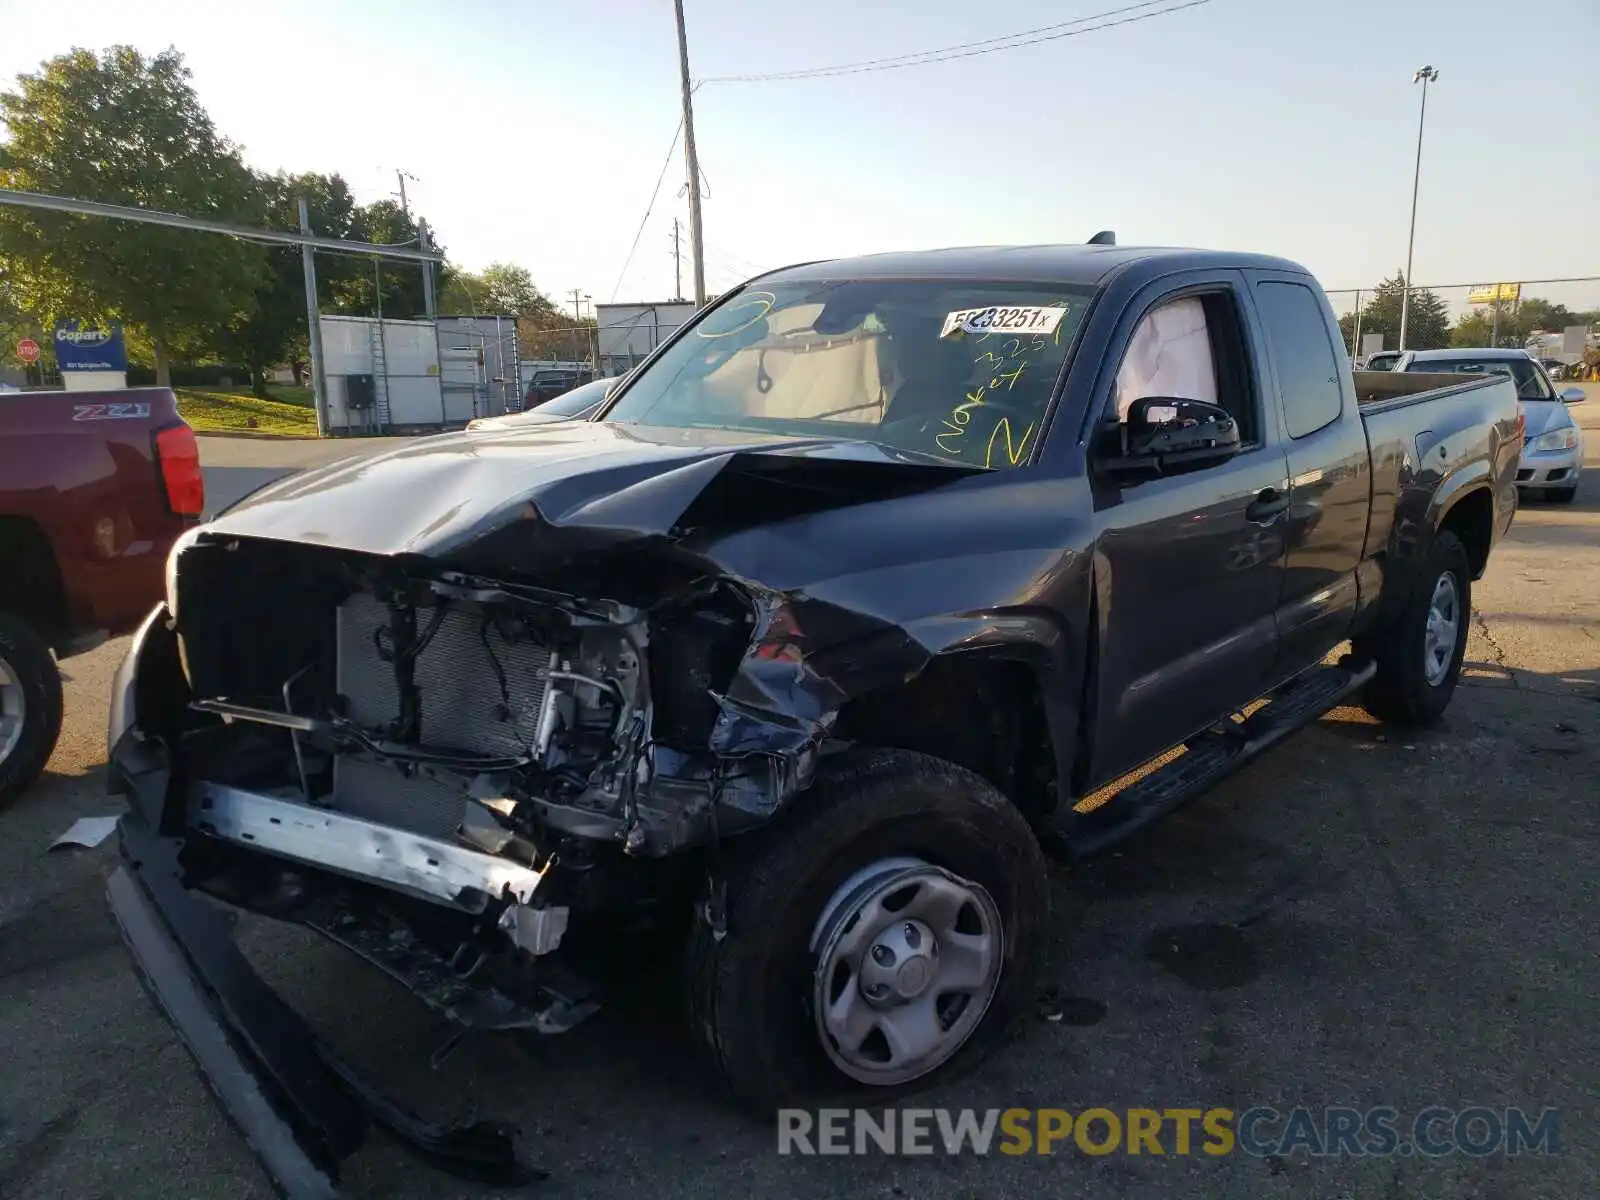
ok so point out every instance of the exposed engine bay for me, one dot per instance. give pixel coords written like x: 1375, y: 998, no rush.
x: 478, y: 744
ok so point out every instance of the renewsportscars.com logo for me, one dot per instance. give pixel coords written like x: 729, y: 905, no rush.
x: 1333, y: 1132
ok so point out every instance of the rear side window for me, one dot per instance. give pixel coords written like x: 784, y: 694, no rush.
x: 1308, y: 371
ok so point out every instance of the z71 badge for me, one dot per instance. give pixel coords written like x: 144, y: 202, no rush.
x: 126, y: 411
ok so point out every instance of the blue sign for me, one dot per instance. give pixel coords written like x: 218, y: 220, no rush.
x: 90, y: 348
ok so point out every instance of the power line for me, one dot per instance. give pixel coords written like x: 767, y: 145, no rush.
x: 648, y: 208
x: 1013, y: 41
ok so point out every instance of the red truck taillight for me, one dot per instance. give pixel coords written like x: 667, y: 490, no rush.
x: 178, y: 455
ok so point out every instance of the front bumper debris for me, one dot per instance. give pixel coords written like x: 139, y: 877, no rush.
x: 302, y: 1110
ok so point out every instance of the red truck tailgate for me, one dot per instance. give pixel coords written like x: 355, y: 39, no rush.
x: 107, y: 481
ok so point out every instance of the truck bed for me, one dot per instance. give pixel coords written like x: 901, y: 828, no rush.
x: 1469, y: 435
x: 85, y: 517
x: 1406, y: 387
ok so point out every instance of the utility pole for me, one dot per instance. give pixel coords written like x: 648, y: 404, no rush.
x: 430, y: 303
x: 401, y: 176
x: 319, y: 378
x: 1424, y: 76
x: 677, y: 262
x: 696, y: 245
x: 578, y: 297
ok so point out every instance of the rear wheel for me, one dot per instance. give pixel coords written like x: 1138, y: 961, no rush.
x: 886, y: 929
x: 1419, y: 656
x: 30, y: 705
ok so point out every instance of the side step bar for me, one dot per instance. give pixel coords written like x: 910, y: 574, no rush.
x: 1210, y: 758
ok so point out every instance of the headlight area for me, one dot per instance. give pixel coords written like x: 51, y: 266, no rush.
x: 1557, y: 439
x: 185, y: 540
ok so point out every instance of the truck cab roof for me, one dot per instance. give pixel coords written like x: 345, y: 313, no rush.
x: 1073, y: 264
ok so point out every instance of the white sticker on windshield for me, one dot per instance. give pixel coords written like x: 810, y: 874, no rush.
x: 1025, y: 318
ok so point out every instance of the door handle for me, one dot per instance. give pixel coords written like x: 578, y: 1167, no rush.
x: 1269, y: 502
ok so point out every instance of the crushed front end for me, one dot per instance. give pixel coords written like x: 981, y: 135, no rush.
x: 456, y: 778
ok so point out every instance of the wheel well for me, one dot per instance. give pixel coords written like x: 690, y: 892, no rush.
x: 30, y: 584
x: 1471, y: 518
x: 983, y: 714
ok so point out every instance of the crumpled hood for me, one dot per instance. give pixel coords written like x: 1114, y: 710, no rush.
x: 611, y: 482
x: 1542, y: 416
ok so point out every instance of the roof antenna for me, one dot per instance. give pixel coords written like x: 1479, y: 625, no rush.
x: 1104, y: 238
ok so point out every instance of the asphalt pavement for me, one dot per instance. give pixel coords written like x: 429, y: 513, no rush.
x: 1360, y: 918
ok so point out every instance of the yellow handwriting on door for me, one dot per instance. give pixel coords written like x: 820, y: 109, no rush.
x: 1015, y: 452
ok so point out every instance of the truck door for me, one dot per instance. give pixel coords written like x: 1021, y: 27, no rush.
x: 1188, y: 566
x: 1330, y: 484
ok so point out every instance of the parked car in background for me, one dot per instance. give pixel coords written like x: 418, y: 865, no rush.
x: 94, y: 489
x: 546, y: 385
x: 1383, y: 360
x: 851, y: 594
x: 1552, y: 451
x: 581, y: 403
x: 1554, y: 367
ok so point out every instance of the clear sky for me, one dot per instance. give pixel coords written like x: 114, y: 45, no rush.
x: 536, y: 129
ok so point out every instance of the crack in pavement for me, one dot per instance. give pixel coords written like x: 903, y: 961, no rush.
x: 1499, y: 651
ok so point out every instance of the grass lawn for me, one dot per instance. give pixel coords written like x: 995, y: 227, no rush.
x: 233, y: 412
x: 282, y: 392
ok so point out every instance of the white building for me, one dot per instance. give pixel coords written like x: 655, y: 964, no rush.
x: 628, y: 333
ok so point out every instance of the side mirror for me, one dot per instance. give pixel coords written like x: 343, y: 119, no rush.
x: 1164, y: 432
x: 1574, y: 395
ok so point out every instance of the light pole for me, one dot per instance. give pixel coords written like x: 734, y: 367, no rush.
x: 1424, y: 76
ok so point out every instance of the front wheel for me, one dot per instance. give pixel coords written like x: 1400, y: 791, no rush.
x: 1419, y: 655
x: 886, y: 928
x: 30, y: 705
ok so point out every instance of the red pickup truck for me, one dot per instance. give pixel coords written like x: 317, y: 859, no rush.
x: 94, y: 489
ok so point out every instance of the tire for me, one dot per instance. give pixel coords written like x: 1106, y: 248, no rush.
x: 1561, y: 495
x: 1401, y: 692
x: 749, y: 993
x: 27, y: 672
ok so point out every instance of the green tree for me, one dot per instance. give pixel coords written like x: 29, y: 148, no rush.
x: 1474, y: 328
x: 1518, y: 322
x: 383, y: 223
x: 15, y: 324
x: 1427, y: 323
x: 274, y: 331
x: 125, y: 129
x: 499, y: 288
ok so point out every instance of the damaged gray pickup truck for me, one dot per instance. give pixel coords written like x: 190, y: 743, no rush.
x: 798, y: 654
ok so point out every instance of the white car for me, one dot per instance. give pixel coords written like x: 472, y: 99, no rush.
x: 1552, y: 446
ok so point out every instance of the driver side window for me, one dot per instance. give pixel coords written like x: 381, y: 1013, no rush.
x: 1169, y: 354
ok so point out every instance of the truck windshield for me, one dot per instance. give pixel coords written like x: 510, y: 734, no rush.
x: 1530, y: 380
x: 953, y: 369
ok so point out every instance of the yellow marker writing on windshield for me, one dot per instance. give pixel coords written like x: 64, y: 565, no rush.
x: 1014, y: 453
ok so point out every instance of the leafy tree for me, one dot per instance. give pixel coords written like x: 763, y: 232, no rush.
x: 274, y: 330
x: 544, y: 330
x: 1518, y: 322
x: 555, y: 335
x: 1474, y: 328
x: 498, y: 288
x: 383, y: 223
x: 1427, y: 323
x: 125, y: 129
x: 16, y: 324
